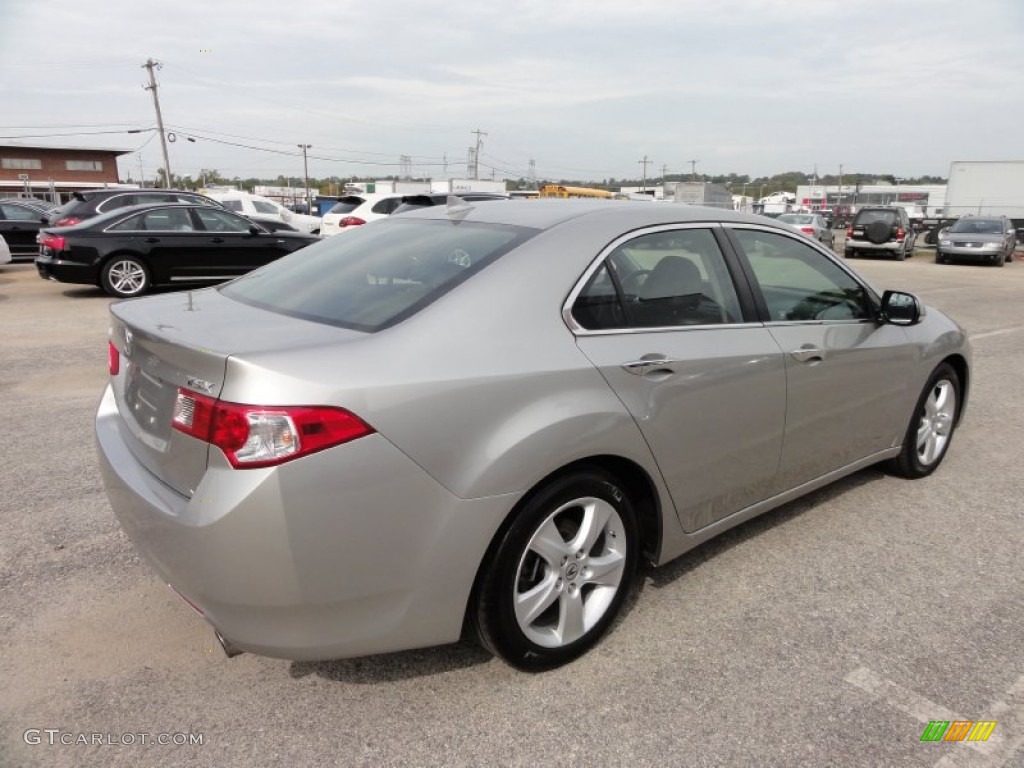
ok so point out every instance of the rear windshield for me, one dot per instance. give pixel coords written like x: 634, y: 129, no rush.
x: 797, y: 218
x: 866, y: 217
x: 377, y: 275
x: 347, y: 205
x: 978, y: 227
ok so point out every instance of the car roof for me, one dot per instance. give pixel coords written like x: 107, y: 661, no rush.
x: 546, y: 214
x: 128, y: 210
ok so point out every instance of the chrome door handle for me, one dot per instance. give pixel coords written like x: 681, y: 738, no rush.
x: 649, y: 363
x: 808, y: 354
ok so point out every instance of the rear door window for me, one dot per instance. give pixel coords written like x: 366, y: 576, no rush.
x: 660, y: 280
x: 387, y: 205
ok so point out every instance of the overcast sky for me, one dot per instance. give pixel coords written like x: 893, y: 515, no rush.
x: 585, y: 88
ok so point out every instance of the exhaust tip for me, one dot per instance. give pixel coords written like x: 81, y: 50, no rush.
x: 230, y: 650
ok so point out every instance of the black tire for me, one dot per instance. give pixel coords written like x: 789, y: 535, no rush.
x: 125, y: 276
x: 998, y: 261
x: 932, y: 425
x: 849, y: 253
x: 540, y: 639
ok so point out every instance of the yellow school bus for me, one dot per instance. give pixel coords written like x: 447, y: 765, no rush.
x: 557, y: 190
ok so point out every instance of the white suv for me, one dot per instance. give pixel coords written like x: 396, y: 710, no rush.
x: 353, y: 210
x: 255, y: 205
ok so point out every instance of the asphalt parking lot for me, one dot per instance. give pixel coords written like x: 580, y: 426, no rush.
x: 827, y: 632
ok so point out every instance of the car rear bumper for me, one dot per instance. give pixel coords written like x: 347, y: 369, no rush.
x: 65, y: 271
x: 866, y: 245
x: 351, y: 551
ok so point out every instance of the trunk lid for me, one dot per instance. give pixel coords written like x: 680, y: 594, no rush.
x: 185, y: 340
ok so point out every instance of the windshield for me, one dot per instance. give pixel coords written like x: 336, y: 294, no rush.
x: 377, y: 275
x: 797, y: 218
x: 978, y: 227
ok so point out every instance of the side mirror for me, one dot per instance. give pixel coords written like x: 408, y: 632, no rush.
x: 254, y: 230
x: 901, y: 308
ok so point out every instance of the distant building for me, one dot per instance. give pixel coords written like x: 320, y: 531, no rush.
x: 928, y: 198
x: 55, y: 172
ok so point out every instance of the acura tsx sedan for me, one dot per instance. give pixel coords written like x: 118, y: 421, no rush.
x: 488, y: 415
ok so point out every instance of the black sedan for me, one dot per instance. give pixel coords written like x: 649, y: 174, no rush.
x: 20, y: 222
x: 127, y: 251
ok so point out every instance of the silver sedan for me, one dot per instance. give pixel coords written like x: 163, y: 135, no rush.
x: 489, y: 414
x: 811, y: 224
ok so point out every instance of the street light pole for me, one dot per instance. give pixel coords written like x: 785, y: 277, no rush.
x: 305, y: 175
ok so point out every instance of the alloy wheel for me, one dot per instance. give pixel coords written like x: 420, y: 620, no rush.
x: 936, y: 423
x: 570, y: 572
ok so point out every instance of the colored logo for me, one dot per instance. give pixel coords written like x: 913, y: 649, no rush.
x: 958, y: 730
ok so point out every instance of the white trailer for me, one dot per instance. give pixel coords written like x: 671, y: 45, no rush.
x: 993, y: 188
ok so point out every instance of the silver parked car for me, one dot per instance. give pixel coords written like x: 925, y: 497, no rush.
x: 489, y: 414
x: 988, y: 239
x: 811, y: 224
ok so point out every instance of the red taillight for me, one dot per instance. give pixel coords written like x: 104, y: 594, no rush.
x: 849, y: 231
x: 350, y: 221
x: 67, y: 221
x: 113, y: 359
x: 808, y: 230
x: 900, y: 234
x: 53, y: 242
x: 263, y: 436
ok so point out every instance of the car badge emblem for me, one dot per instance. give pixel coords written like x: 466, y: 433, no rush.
x: 200, y: 384
x: 128, y: 336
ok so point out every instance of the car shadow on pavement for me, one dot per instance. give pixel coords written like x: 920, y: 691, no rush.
x: 670, y: 572
x: 85, y: 292
x: 392, y: 667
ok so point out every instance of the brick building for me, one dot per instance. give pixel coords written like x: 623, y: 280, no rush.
x: 55, y: 172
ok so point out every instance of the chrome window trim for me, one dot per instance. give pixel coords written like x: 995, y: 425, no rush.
x: 666, y: 329
x: 579, y: 330
x: 101, y: 206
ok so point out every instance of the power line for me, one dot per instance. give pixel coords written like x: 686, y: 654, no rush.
x: 74, y: 133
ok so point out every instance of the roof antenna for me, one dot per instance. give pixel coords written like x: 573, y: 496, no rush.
x: 458, y: 208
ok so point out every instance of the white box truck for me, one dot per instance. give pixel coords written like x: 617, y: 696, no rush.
x: 982, y: 188
x: 993, y: 188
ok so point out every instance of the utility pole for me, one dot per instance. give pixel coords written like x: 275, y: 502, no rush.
x: 305, y: 174
x: 149, y: 65
x: 693, y: 169
x: 645, y: 162
x: 664, y: 172
x: 476, y: 155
